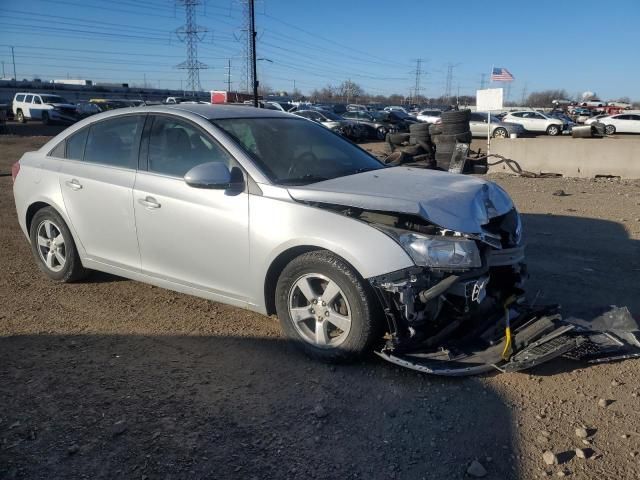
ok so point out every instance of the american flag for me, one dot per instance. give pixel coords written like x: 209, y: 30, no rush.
x: 500, y: 74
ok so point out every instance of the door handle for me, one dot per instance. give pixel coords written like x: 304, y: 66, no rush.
x: 73, y: 184
x: 149, y: 202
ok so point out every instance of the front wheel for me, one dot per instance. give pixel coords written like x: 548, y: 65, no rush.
x: 553, y: 130
x: 326, y: 308
x: 610, y: 130
x: 381, y: 133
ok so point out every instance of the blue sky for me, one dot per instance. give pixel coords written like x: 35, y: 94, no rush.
x: 577, y: 46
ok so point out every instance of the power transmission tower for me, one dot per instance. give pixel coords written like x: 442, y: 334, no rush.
x: 524, y: 94
x: 483, y: 80
x: 228, y: 69
x: 247, y: 50
x: 418, y: 73
x: 190, y: 34
x: 447, y: 90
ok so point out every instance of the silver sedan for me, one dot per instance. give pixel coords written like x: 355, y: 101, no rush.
x: 499, y: 129
x: 271, y: 212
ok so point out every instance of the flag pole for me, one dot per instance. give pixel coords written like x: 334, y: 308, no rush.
x: 489, y: 115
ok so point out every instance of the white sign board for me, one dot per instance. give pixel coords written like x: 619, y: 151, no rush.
x: 489, y: 99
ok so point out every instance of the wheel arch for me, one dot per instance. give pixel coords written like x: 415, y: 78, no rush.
x: 275, y: 269
x: 33, y: 209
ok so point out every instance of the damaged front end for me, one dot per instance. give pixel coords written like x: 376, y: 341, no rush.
x: 470, y: 316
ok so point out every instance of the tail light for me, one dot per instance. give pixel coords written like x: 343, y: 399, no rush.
x: 15, y: 169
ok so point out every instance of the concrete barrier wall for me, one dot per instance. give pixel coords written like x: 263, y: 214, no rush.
x: 571, y: 157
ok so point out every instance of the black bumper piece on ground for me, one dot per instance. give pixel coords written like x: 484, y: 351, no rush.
x: 538, y: 336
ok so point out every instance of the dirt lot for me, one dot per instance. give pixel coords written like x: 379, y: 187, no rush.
x: 115, y: 379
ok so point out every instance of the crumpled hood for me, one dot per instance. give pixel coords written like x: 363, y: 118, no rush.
x: 457, y: 202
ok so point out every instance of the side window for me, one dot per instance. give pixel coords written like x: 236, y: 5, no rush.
x: 115, y: 142
x: 75, y: 145
x: 37, y: 100
x: 58, y: 151
x: 175, y: 147
x: 538, y: 116
x: 28, y: 99
x: 19, y: 98
x: 518, y: 115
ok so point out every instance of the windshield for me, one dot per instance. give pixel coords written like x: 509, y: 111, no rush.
x: 53, y: 99
x: 294, y: 151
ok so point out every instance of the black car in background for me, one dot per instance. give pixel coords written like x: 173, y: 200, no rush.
x: 375, y: 126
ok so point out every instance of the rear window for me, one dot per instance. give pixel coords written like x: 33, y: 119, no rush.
x: 19, y: 98
x: 115, y: 141
x: 75, y: 145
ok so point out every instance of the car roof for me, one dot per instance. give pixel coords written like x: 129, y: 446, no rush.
x: 216, y: 112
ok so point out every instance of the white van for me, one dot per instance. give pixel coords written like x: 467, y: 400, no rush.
x: 45, y: 107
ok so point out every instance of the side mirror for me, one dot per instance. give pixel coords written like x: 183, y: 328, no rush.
x: 215, y: 176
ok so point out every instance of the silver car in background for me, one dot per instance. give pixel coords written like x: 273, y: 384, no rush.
x: 478, y: 125
x: 271, y: 212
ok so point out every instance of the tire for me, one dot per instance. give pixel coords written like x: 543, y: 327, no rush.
x: 435, y: 129
x: 414, y: 150
x: 452, y: 139
x: 610, y: 130
x: 500, y: 132
x: 398, y: 138
x: 553, y: 130
x: 455, y: 116
x: 69, y: 270
x: 45, y: 118
x: 480, y: 169
x: 355, y: 298
x: 419, y: 128
x: 455, y: 128
x: 447, y: 148
x: 20, y: 117
x: 381, y: 133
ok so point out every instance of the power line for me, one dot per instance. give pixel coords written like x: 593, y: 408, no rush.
x: 190, y: 33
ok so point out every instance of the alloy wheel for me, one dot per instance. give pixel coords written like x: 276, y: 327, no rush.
x: 319, y: 310
x: 51, y: 246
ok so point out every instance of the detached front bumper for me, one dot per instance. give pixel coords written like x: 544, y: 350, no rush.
x: 476, y: 322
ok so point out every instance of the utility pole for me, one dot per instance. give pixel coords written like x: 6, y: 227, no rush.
x: 190, y: 34
x: 483, y: 79
x: 13, y: 58
x: 254, y: 74
x: 228, y: 69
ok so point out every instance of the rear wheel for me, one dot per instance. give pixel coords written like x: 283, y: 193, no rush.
x: 326, y: 308
x: 53, y: 247
x: 553, y: 130
x: 610, y: 130
x: 381, y: 133
x: 500, y: 133
x: 20, y: 117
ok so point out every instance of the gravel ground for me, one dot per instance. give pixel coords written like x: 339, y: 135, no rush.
x: 111, y: 378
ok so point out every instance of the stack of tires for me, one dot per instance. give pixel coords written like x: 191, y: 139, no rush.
x: 453, y: 129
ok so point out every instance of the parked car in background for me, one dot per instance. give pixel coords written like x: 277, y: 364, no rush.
x: 429, y: 116
x: 499, y: 129
x: 354, y: 107
x: 622, y: 123
x: 536, y: 122
x: 401, y: 121
x: 332, y: 121
x: 595, y: 119
x: 44, y: 107
x: 395, y: 108
x: 375, y: 127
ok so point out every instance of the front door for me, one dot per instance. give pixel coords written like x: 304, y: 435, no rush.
x: 191, y: 236
x: 96, y: 182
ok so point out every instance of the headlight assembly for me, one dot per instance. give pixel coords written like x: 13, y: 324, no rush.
x: 436, y: 251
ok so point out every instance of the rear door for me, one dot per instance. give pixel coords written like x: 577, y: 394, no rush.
x: 97, y: 187
x: 190, y: 236
x: 478, y: 125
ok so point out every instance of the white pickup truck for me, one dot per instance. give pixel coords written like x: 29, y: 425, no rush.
x: 45, y: 107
